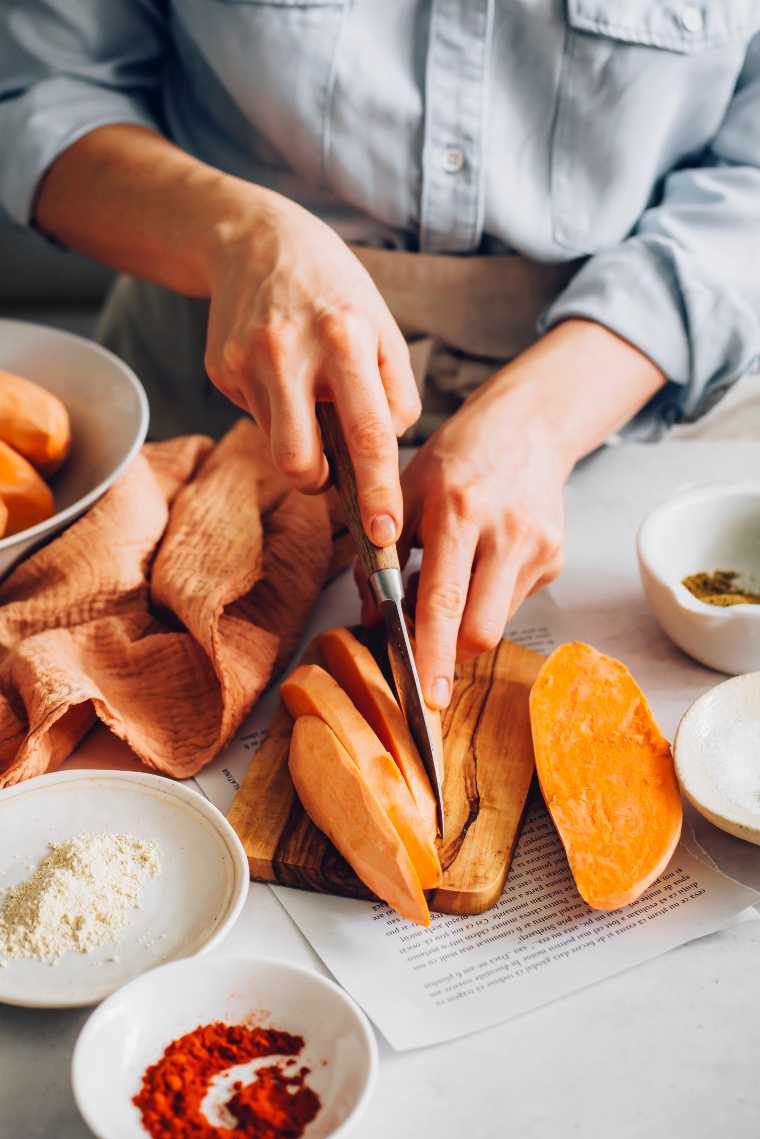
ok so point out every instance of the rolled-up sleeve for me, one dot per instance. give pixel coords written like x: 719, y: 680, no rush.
x: 67, y: 67
x: 684, y: 288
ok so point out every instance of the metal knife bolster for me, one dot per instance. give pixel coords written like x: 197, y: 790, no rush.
x: 388, y: 590
x: 387, y: 585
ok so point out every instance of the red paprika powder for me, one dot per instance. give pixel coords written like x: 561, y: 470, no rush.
x: 277, y: 1104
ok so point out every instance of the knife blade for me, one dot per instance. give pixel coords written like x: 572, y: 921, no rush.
x: 381, y: 566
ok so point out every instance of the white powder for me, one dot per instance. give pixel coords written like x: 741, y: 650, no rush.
x: 731, y: 753
x: 79, y: 897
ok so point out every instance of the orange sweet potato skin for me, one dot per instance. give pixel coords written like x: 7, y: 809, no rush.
x: 340, y: 801
x: 356, y: 670
x: 28, y: 500
x: 310, y: 690
x: 34, y: 422
x: 606, y: 774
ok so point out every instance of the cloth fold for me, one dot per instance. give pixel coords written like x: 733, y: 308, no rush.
x: 164, y: 611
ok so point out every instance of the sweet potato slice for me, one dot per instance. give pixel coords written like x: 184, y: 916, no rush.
x: 606, y: 774
x: 311, y: 691
x: 34, y: 422
x: 339, y: 800
x: 27, y: 498
x: 352, y: 664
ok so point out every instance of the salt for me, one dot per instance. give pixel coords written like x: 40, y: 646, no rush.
x: 731, y: 754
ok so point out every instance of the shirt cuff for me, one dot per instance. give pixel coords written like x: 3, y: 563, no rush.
x: 632, y: 292
x: 38, y: 127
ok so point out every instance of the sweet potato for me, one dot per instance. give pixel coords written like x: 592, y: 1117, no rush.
x: 27, y: 498
x: 606, y: 774
x: 339, y: 800
x: 3, y: 518
x: 352, y: 664
x: 34, y: 422
x: 311, y: 691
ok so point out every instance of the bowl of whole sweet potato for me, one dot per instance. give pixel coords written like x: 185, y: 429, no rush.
x: 72, y: 417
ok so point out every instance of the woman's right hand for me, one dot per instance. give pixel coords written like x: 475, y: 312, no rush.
x: 295, y: 318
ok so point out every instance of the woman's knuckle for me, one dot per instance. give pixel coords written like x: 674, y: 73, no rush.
x: 481, y: 635
x: 291, y: 462
x: 445, y: 600
x: 342, y: 325
x: 371, y: 438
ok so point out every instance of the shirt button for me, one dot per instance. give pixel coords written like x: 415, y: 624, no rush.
x: 453, y: 160
x: 692, y: 18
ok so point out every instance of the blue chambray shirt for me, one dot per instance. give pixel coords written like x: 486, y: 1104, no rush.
x: 626, y: 131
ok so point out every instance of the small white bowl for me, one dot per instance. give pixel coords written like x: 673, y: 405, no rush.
x: 108, y: 409
x: 188, y: 908
x: 132, y: 1028
x: 704, y: 529
x: 718, y: 729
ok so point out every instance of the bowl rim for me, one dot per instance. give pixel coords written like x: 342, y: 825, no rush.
x: 61, y: 517
x: 234, y: 960
x: 742, y: 818
x: 679, y: 594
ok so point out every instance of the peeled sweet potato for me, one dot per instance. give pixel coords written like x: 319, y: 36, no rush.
x: 606, y: 773
x: 28, y: 500
x: 34, y: 422
x: 311, y: 691
x: 340, y: 801
x: 352, y: 664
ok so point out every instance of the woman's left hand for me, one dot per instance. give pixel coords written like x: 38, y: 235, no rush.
x: 483, y: 497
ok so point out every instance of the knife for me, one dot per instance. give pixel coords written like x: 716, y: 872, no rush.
x: 381, y: 565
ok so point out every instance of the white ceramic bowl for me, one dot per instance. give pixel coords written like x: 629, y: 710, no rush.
x: 109, y: 418
x: 188, y: 908
x: 705, y: 529
x: 712, y: 743
x: 132, y: 1028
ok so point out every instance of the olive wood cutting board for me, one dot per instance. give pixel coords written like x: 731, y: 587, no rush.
x: 489, y: 766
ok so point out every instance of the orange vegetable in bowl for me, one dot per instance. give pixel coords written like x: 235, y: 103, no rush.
x: 606, y: 774
x: 34, y: 422
x: 26, y: 497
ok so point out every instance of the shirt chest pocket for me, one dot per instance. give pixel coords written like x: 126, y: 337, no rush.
x: 276, y: 58
x: 643, y: 87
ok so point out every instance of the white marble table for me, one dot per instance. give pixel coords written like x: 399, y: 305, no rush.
x: 668, y: 1049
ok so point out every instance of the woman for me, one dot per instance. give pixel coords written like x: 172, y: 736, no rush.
x: 593, y: 166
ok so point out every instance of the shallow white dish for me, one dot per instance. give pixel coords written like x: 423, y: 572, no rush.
x: 132, y: 1028
x: 705, y: 529
x: 186, y: 909
x: 711, y: 737
x: 108, y: 409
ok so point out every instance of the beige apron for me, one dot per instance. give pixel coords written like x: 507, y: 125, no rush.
x: 462, y: 317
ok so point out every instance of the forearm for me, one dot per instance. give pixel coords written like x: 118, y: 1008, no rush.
x: 131, y: 199
x: 582, y: 381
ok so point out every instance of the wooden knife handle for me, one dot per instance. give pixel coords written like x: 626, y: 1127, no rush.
x: 372, y: 557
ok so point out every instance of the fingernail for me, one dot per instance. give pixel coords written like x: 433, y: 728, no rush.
x: 382, y: 529
x: 441, y: 691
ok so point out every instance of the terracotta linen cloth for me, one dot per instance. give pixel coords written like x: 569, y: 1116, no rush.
x: 164, y: 611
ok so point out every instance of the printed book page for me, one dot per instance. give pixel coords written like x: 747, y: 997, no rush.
x: 539, y: 942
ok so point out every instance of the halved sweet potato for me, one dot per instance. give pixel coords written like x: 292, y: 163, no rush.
x: 352, y: 664
x: 339, y: 800
x: 34, y: 422
x: 311, y: 691
x: 606, y: 774
x: 27, y: 498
